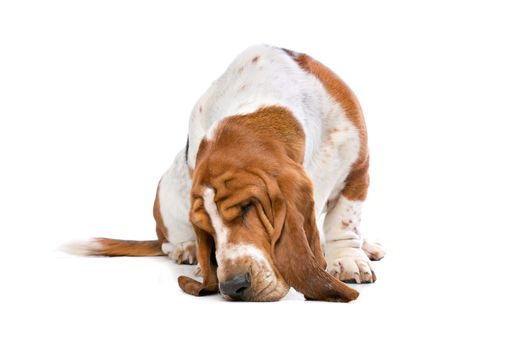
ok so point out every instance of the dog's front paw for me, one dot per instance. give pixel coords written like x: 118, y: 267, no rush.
x: 184, y: 253
x: 351, y: 265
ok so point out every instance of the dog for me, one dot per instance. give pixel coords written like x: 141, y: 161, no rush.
x: 274, y: 143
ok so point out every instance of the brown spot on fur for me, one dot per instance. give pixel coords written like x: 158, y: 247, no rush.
x: 255, y: 59
x: 345, y: 224
x: 200, y: 109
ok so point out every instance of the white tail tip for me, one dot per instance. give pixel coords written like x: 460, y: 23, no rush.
x: 85, y: 247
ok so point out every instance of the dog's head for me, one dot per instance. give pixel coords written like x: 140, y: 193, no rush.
x: 253, y: 212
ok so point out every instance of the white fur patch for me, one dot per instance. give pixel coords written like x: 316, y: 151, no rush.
x: 341, y: 225
x: 184, y: 252
x: 174, y: 200
x: 87, y: 247
x: 221, y: 231
x: 167, y: 247
x: 235, y: 251
x: 332, y: 161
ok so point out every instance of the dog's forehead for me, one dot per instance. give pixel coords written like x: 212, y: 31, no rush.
x: 215, y: 206
x: 226, y: 240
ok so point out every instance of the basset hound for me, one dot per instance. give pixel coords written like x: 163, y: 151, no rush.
x: 276, y: 142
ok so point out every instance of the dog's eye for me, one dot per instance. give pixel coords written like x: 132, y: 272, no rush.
x: 245, y: 208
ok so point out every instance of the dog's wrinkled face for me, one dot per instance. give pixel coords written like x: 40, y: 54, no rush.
x: 232, y: 213
x: 252, y: 209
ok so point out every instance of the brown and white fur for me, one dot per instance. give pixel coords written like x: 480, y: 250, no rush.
x: 283, y: 110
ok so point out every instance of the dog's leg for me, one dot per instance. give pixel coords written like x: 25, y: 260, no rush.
x: 172, y: 213
x: 347, y: 256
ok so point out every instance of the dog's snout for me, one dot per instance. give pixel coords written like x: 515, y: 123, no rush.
x: 237, y: 286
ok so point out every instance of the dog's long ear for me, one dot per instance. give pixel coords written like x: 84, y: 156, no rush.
x: 296, y: 244
x: 208, y: 267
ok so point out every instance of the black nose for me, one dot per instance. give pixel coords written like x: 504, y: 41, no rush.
x: 237, y: 286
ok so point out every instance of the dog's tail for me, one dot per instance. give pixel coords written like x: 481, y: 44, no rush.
x: 114, y: 247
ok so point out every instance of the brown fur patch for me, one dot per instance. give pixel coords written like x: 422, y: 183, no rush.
x: 120, y: 247
x: 357, y: 181
x: 274, y: 123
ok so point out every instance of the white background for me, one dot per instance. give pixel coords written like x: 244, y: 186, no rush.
x: 94, y: 103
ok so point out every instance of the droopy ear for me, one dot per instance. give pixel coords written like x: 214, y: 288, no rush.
x: 296, y: 244
x: 207, y: 264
